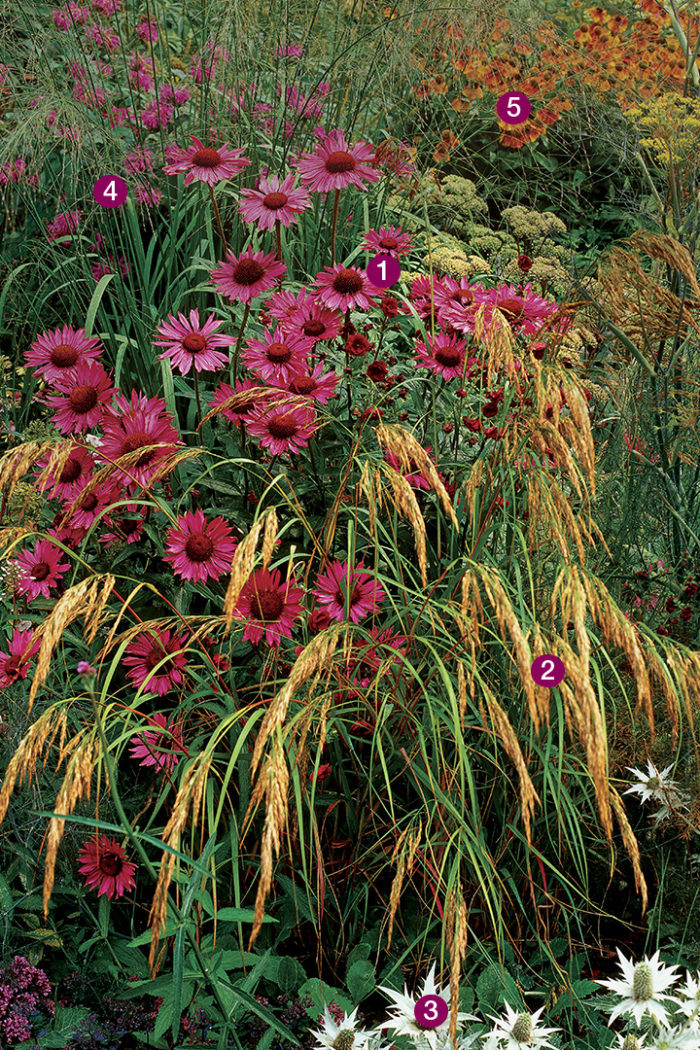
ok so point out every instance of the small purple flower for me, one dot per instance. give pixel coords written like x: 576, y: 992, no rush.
x: 85, y: 667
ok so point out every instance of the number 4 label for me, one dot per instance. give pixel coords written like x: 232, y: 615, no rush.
x: 110, y: 191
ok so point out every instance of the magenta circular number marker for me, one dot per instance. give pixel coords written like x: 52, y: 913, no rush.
x: 548, y: 670
x: 110, y: 191
x: 513, y: 107
x: 384, y: 270
x: 431, y: 1011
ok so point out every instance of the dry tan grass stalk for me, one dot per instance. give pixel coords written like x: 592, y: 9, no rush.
x: 475, y: 483
x: 58, y: 457
x: 581, y: 699
x: 83, y: 597
x: 189, y: 798
x: 10, y: 537
x: 658, y: 674
x: 462, y: 692
x: 542, y: 694
x: 456, y: 935
x: 314, y: 659
x: 405, y: 849
x: 275, y: 775
x: 670, y: 251
x: 237, y: 401
x: 411, y: 455
x: 243, y: 562
x: 125, y: 463
x: 15, y: 463
x: 581, y: 417
x: 631, y: 845
x: 26, y: 756
x: 504, y: 730
x: 406, y: 504
x: 510, y: 629
x: 618, y: 631
x: 269, y: 537
x: 369, y: 487
x: 75, y: 786
x: 471, y: 613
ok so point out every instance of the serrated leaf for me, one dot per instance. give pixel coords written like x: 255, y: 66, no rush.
x: 49, y: 938
x: 361, y: 979
x: 290, y: 974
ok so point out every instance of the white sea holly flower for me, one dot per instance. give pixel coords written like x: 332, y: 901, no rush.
x: 690, y: 1001
x: 657, y: 787
x: 343, y: 1036
x: 519, y: 1029
x: 629, y: 1041
x: 403, y: 1020
x: 676, y: 1039
x: 643, y: 988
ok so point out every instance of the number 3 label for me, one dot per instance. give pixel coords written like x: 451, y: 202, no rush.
x: 110, y: 191
x: 431, y: 1011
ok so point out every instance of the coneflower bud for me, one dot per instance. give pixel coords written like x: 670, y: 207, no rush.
x: 522, y: 1029
x: 344, y: 1040
x: 643, y: 981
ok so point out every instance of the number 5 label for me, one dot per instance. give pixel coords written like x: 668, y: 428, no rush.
x: 110, y: 191
x: 513, y: 107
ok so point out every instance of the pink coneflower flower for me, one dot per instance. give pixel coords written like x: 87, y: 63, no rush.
x: 335, y: 165
x: 348, y: 593
x: 127, y: 530
x: 207, y: 164
x: 41, y: 569
x: 105, y: 867
x: 283, y: 427
x: 14, y: 664
x: 272, y: 202
x: 66, y: 222
x: 200, y: 550
x: 147, y: 651
x: 79, y: 466
x: 191, y: 343
x: 525, y: 312
x: 53, y: 354
x: 315, y: 386
x: 86, y: 508
x: 444, y: 355
x: 302, y: 315
x: 157, y: 747
x: 389, y: 240
x: 278, y: 356
x: 270, y: 606
x: 224, y: 391
x: 138, y: 423
x: 346, y: 288
x: 449, y: 291
x: 247, y: 276
x: 83, y: 397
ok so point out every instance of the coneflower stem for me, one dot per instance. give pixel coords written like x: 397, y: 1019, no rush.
x: 215, y: 206
x: 336, y: 202
x: 199, y: 405
x: 234, y: 367
x: 278, y: 233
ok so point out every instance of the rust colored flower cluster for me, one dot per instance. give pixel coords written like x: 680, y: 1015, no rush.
x: 606, y: 53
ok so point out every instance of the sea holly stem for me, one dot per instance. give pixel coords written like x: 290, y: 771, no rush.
x: 217, y: 213
x: 234, y: 366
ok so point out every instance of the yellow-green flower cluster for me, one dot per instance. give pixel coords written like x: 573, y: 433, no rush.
x: 531, y: 225
x: 673, y: 126
x: 25, y: 504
